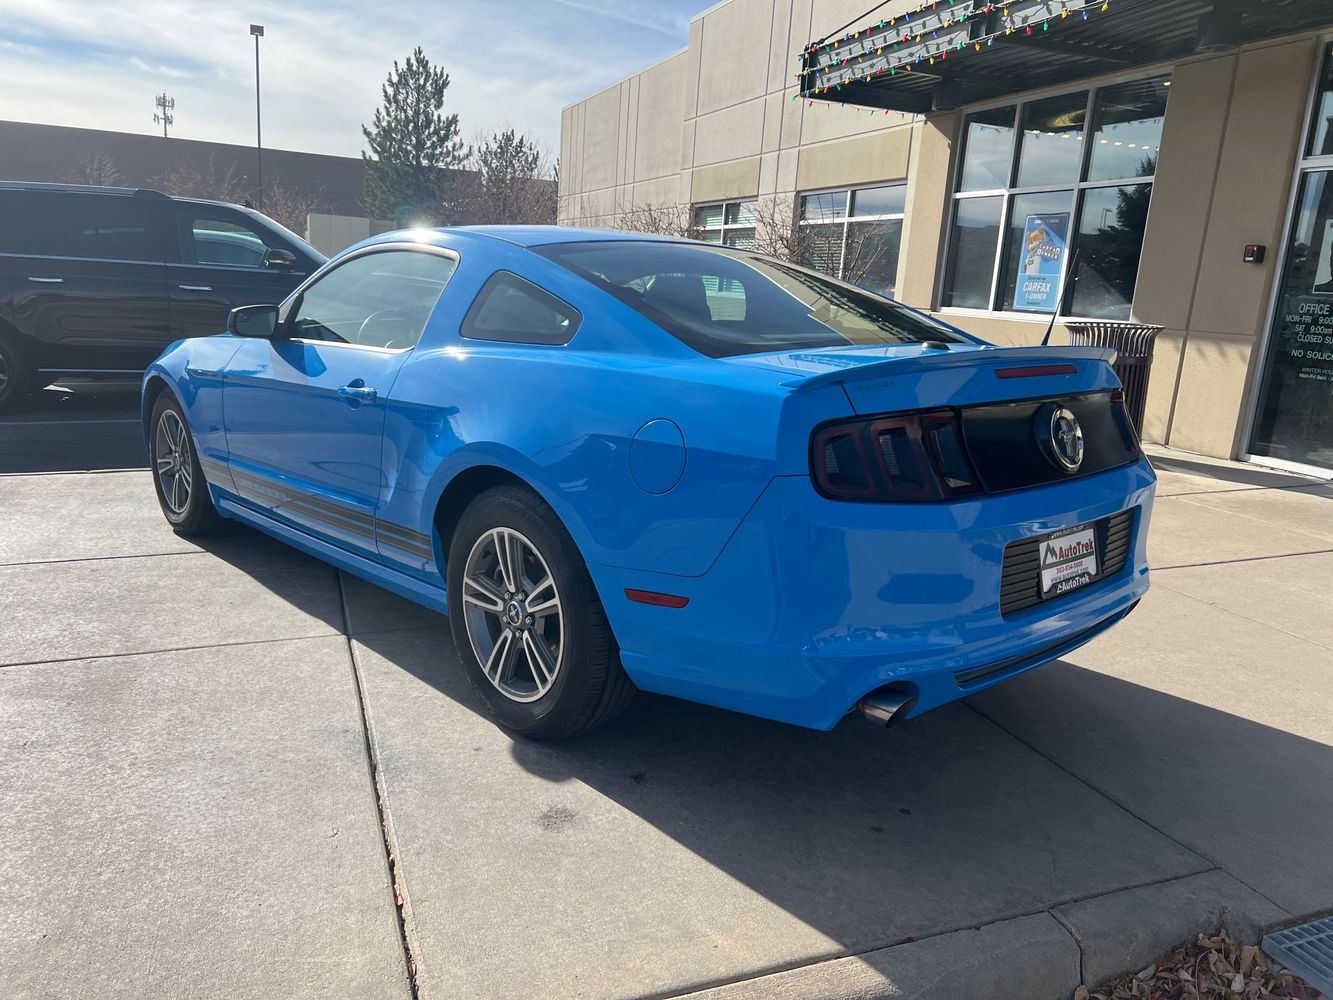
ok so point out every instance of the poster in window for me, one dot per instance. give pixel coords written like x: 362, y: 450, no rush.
x: 1324, y: 263
x: 1042, y: 255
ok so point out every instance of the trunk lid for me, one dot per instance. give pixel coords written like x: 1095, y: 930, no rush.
x: 896, y: 377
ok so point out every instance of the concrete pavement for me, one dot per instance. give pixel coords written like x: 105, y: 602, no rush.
x: 214, y: 752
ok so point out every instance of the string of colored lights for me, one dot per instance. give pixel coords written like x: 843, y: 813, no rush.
x: 971, y: 9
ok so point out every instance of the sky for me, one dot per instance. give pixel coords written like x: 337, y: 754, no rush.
x: 514, y: 63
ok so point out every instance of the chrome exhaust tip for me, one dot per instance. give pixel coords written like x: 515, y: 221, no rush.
x: 885, y: 707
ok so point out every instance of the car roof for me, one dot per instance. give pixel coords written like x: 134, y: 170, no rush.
x: 536, y: 236
x: 119, y: 192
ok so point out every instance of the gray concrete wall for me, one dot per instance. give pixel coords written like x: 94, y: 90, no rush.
x: 330, y: 233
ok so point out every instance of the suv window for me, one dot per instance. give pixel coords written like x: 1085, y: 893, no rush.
x: 380, y: 299
x: 219, y: 238
x: 723, y: 301
x: 57, y: 224
x: 513, y: 310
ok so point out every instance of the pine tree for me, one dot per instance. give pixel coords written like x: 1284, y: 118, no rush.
x: 413, y: 146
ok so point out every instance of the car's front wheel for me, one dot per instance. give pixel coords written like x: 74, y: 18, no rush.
x: 181, y: 489
x: 527, y: 622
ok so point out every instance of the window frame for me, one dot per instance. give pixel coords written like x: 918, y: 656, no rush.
x: 1006, y: 195
x: 1254, y: 384
x: 468, y: 326
x: 185, y: 217
x: 293, y: 301
x: 724, y: 226
x: 848, y: 218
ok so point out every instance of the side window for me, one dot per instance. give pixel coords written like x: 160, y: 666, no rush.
x: 222, y: 239
x: 116, y: 228
x: 57, y: 224
x: 516, y: 311
x: 381, y: 299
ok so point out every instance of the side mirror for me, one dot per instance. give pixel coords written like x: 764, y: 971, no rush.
x: 253, y: 321
x: 279, y: 260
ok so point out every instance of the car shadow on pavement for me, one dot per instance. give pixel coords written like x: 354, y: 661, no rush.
x: 54, y: 431
x: 1063, y: 784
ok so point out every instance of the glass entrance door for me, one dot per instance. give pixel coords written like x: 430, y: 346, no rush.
x: 1294, y: 418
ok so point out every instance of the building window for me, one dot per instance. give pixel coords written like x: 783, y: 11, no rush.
x: 854, y: 234
x: 731, y: 223
x: 1043, y: 181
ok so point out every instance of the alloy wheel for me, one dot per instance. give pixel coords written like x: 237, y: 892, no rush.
x: 171, y: 455
x: 512, y: 612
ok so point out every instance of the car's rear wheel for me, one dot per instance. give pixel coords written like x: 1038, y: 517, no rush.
x: 15, y: 379
x: 181, y: 489
x: 527, y: 622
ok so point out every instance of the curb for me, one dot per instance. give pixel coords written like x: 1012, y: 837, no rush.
x: 1031, y: 957
x: 1123, y: 931
x: 1043, y: 956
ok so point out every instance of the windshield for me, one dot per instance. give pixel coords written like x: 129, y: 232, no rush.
x: 722, y: 302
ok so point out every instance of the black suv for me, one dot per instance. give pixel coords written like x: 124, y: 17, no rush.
x: 96, y: 281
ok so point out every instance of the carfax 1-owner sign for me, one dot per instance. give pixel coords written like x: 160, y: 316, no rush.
x: 1037, y: 283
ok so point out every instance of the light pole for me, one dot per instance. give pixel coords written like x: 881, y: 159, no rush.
x: 258, y: 31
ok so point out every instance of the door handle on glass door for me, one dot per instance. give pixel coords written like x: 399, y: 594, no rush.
x: 356, y: 391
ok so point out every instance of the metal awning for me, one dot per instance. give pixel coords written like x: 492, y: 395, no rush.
x: 938, y: 55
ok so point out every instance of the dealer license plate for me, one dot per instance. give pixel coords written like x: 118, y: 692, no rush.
x: 1068, y: 560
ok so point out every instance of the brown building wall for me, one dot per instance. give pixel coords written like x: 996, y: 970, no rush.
x: 30, y: 152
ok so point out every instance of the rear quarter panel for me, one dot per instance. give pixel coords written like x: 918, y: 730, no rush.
x: 564, y: 420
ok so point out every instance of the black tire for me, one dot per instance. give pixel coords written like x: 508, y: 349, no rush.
x: 589, y: 687
x: 15, y: 377
x: 182, y: 491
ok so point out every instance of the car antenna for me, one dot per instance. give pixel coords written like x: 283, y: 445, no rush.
x: 1060, y: 297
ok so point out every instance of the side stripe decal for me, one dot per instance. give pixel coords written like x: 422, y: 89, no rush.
x: 345, y: 518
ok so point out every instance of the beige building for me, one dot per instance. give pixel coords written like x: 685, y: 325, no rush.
x: 1178, y: 153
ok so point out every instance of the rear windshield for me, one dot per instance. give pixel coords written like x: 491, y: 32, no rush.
x: 722, y: 302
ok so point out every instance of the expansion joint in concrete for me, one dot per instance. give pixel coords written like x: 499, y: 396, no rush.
x: 402, y: 906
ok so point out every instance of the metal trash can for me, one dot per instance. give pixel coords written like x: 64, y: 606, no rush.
x: 1133, y: 364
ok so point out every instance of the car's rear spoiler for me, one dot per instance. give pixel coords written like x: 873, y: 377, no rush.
x: 930, y: 360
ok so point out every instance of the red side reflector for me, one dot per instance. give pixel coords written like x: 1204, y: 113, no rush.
x: 653, y: 597
x: 1033, y: 371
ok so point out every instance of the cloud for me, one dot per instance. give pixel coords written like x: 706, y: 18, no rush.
x: 513, y: 63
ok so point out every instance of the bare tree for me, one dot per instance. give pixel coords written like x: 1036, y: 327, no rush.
x: 658, y: 219
x: 291, y: 206
x: 866, y: 252
x: 95, y: 167
x: 776, y: 232
x: 855, y: 252
x: 190, y: 180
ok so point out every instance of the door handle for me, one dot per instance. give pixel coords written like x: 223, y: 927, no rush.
x: 195, y: 288
x: 356, y: 391
x: 48, y: 281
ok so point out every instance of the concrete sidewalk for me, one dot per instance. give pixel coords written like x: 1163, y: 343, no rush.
x: 213, y: 754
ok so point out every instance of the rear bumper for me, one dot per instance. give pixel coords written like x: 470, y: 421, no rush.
x: 814, y: 603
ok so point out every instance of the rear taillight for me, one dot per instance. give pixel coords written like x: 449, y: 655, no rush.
x: 916, y: 456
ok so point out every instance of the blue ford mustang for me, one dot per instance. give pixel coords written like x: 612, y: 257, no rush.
x: 619, y: 461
